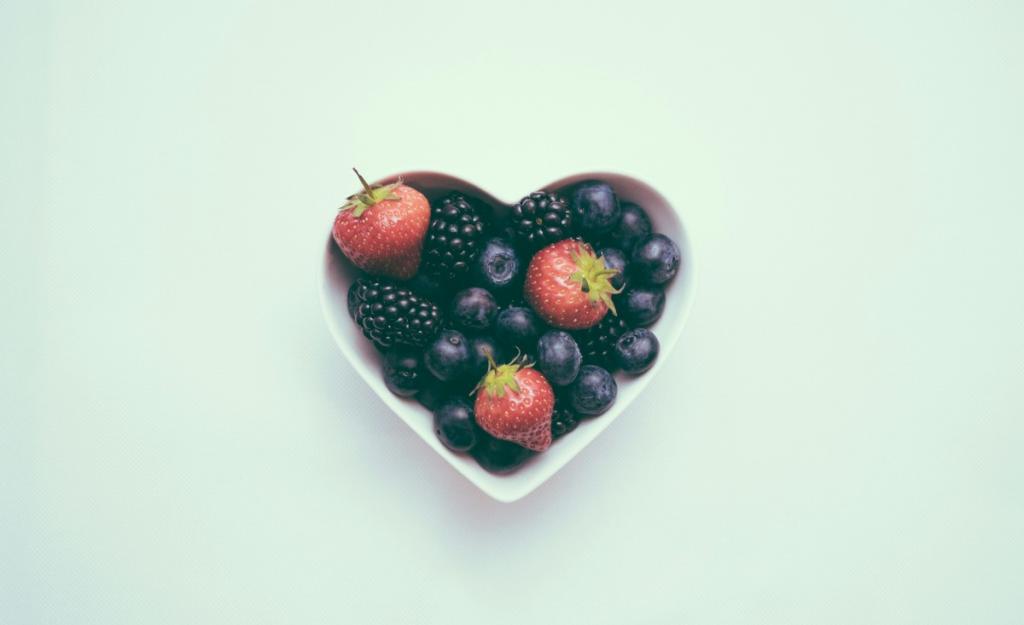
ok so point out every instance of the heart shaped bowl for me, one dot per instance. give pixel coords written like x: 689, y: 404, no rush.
x: 337, y: 274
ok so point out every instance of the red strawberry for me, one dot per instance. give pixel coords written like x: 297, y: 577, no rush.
x: 569, y: 286
x: 514, y: 403
x: 381, y: 229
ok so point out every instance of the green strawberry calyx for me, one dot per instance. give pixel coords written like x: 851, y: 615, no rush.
x: 594, y: 277
x: 358, y: 203
x: 502, y: 377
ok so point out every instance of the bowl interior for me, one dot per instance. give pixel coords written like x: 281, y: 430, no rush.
x: 338, y: 274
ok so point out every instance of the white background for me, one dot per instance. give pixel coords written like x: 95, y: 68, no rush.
x: 838, y: 437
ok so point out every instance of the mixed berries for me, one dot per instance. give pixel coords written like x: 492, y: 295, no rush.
x: 507, y: 323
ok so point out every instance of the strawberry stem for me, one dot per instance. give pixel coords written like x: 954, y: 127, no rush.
x: 366, y: 185
x: 501, y: 377
x: 594, y: 276
x: 358, y: 203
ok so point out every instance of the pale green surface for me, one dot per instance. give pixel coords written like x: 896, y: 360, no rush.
x: 182, y: 443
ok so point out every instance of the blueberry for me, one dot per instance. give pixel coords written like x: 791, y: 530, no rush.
x: 455, y: 425
x: 474, y: 309
x: 636, y: 351
x: 518, y: 326
x: 632, y: 228
x: 641, y: 305
x: 614, y: 258
x: 593, y: 392
x: 655, y: 259
x: 448, y: 357
x: 498, y: 456
x: 498, y: 266
x: 558, y: 357
x: 403, y: 371
x: 595, y: 208
x: 479, y: 348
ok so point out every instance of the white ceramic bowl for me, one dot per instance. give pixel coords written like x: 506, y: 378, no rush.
x: 338, y: 274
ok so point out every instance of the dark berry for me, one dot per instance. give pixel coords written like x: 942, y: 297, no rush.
x: 614, y: 258
x: 434, y: 393
x: 655, y: 259
x: 641, y: 305
x: 636, y: 351
x: 455, y: 426
x: 540, y: 219
x: 595, y: 209
x: 593, y: 392
x: 353, y: 301
x: 632, y: 227
x: 498, y: 456
x: 453, y: 238
x: 393, y: 315
x: 597, y: 344
x: 448, y: 357
x: 480, y: 347
x: 473, y: 309
x: 558, y: 357
x: 518, y: 326
x: 403, y: 371
x: 498, y: 267
x: 563, y: 420
x: 431, y: 287
x: 466, y: 385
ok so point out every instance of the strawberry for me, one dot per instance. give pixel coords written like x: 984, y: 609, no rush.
x: 381, y: 229
x: 514, y: 402
x: 569, y: 286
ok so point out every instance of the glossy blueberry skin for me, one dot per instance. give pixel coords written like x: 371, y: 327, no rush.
x: 636, y: 351
x: 498, y: 266
x: 614, y: 258
x: 455, y: 425
x: 448, y: 358
x: 593, y: 392
x: 498, y: 456
x: 558, y: 357
x: 655, y: 259
x: 474, y: 309
x: 480, y: 347
x: 632, y: 227
x: 403, y: 371
x: 641, y: 305
x: 595, y: 209
x: 518, y: 326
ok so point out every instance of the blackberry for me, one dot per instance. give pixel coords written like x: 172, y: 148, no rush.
x: 597, y: 344
x: 453, y: 238
x: 563, y: 420
x: 540, y: 219
x: 390, y: 314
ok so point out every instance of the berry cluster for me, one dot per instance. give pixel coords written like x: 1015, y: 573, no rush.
x: 509, y: 329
